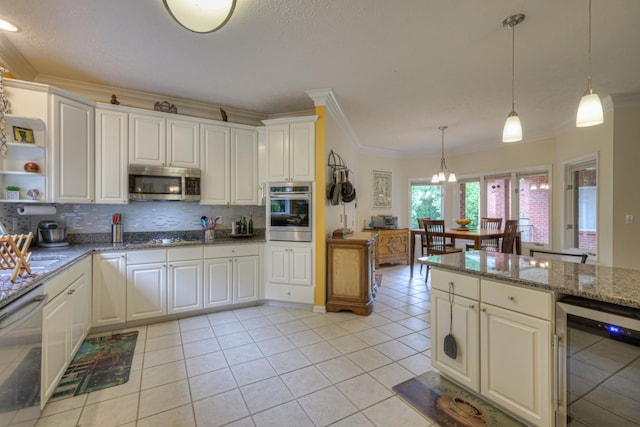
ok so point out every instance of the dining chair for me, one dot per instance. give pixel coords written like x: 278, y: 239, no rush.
x: 436, y: 241
x: 562, y: 256
x: 423, y: 241
x: 509, y: 237
x: 492, y: 224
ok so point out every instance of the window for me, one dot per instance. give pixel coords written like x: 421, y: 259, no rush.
x: 426, y: 201
x: 498, y: 192
x: 469, y: 201
x: 581, y: 204
x: 534, y: 203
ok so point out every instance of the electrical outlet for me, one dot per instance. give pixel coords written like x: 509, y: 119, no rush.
x: 628, y: 219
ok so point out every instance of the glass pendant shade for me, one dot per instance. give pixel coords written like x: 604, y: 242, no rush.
x: 452, y: 177
x: 434, y: 178
x: 590, y: 110
x: 200, y: 16
x: 512, y: 131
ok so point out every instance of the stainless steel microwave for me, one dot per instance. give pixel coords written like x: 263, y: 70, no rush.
x: 163, y: 183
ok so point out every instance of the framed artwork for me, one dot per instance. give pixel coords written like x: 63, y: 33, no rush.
x: 381, y: 189
x: 23, y: 135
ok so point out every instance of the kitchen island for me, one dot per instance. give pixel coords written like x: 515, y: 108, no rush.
x: 501, y: 309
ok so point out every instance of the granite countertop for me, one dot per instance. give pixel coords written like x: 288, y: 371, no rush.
x: 65, y: 256
x: 608, y: 284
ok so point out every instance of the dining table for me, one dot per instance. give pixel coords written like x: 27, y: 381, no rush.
x: 475, y: 234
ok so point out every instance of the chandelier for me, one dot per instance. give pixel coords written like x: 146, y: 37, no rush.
x: 443, y: 174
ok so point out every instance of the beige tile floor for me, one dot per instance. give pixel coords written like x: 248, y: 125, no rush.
x: 270, y: 366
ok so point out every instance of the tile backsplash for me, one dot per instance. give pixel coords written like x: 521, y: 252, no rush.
x: 136, y: 216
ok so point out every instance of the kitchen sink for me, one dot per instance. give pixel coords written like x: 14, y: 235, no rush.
x: 43, y: 263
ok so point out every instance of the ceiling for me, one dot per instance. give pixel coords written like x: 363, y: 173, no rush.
x: 399, y: 69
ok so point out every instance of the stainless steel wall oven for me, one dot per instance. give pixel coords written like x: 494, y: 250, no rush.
x: 289, y: 210
x: 598, y: 363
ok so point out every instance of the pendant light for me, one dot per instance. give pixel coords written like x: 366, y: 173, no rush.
x: 590, y: 107
x: 443, y: 174
x: 512, y: 131
x: 200, y: 16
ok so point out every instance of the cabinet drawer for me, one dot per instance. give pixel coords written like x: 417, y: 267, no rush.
x: 146, y: 256
x: 78, y: 269
x: 289, y: 293
x: 231, y: 250
x: 527, y: 301
x: 184, y: 254
x: 466, y: 286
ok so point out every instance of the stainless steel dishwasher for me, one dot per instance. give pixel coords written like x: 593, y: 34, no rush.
x: 20, y: 358
x: 598, y: 364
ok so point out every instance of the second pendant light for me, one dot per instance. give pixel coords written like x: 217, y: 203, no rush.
x: 512, y: 128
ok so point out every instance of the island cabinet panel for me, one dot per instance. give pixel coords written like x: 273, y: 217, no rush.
x: 464, y: 327
x: 503, y: 334
x: 515, y: 362
x: 351, y: 281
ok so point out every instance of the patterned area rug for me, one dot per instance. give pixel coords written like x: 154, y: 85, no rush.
x: 101, y: 362
x: 451, y: 406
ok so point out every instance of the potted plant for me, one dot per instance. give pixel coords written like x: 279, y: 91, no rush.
x: 12, y: 192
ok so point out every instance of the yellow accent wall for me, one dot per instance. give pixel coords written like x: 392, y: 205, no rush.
x: 321, y: 184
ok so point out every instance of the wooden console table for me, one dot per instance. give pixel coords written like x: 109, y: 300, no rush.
x: 351, y: 273
x: 392, y: 246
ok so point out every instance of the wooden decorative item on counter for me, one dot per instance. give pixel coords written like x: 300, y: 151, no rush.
x: 14, y: 255
x: 351, y: 273
x: 392, y: 246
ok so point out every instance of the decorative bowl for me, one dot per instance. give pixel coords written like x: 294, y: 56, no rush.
x: 463, y: 222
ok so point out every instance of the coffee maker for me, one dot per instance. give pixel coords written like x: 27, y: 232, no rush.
x: 51, y: 234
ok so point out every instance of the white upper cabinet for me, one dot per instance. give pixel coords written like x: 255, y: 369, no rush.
x: 183, y: 143
x: 216, y: 165
x: 155, y: 140
x: 112, y: 145
x: 290, y: 149
x: 244, y: 167
x: 229, y: 165
x: 72, y: 135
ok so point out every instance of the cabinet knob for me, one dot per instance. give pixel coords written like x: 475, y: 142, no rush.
x: 484, y: 310
x: 512, y: 299
x: 471, y: 306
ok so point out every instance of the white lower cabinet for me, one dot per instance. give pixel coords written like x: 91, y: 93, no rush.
x: 503, y: 334
x: 231, y: 274
x: 66, y: 322
x: 289, y: 272
x: 184, y: 282
x: 146, y: 284
x: 109, y: 288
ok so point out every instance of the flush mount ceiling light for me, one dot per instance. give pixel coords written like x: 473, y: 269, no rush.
x: 200, y: 16
x: 512, y: 131
x: 590, y: 108
x: 7, y: 26
x: 443, y: 174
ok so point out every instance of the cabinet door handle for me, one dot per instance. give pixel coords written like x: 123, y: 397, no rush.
x: 71, y: 292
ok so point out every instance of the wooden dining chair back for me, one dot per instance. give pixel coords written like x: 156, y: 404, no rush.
x: 493, y: 224
x: 436, y: 241
x: 509, y: 237
x: 423, y: 240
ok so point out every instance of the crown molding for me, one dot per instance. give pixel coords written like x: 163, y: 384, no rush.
x: 624, y: 100
x: 144, y: 100
x: 325, y: 98
x: 13, y: 60
x: 296, y: 119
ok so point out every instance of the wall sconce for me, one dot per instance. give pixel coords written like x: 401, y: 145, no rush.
x: 200, y: 16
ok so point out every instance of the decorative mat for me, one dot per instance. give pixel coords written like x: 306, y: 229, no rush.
x: 101, y: 362
x: 451, y: 406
